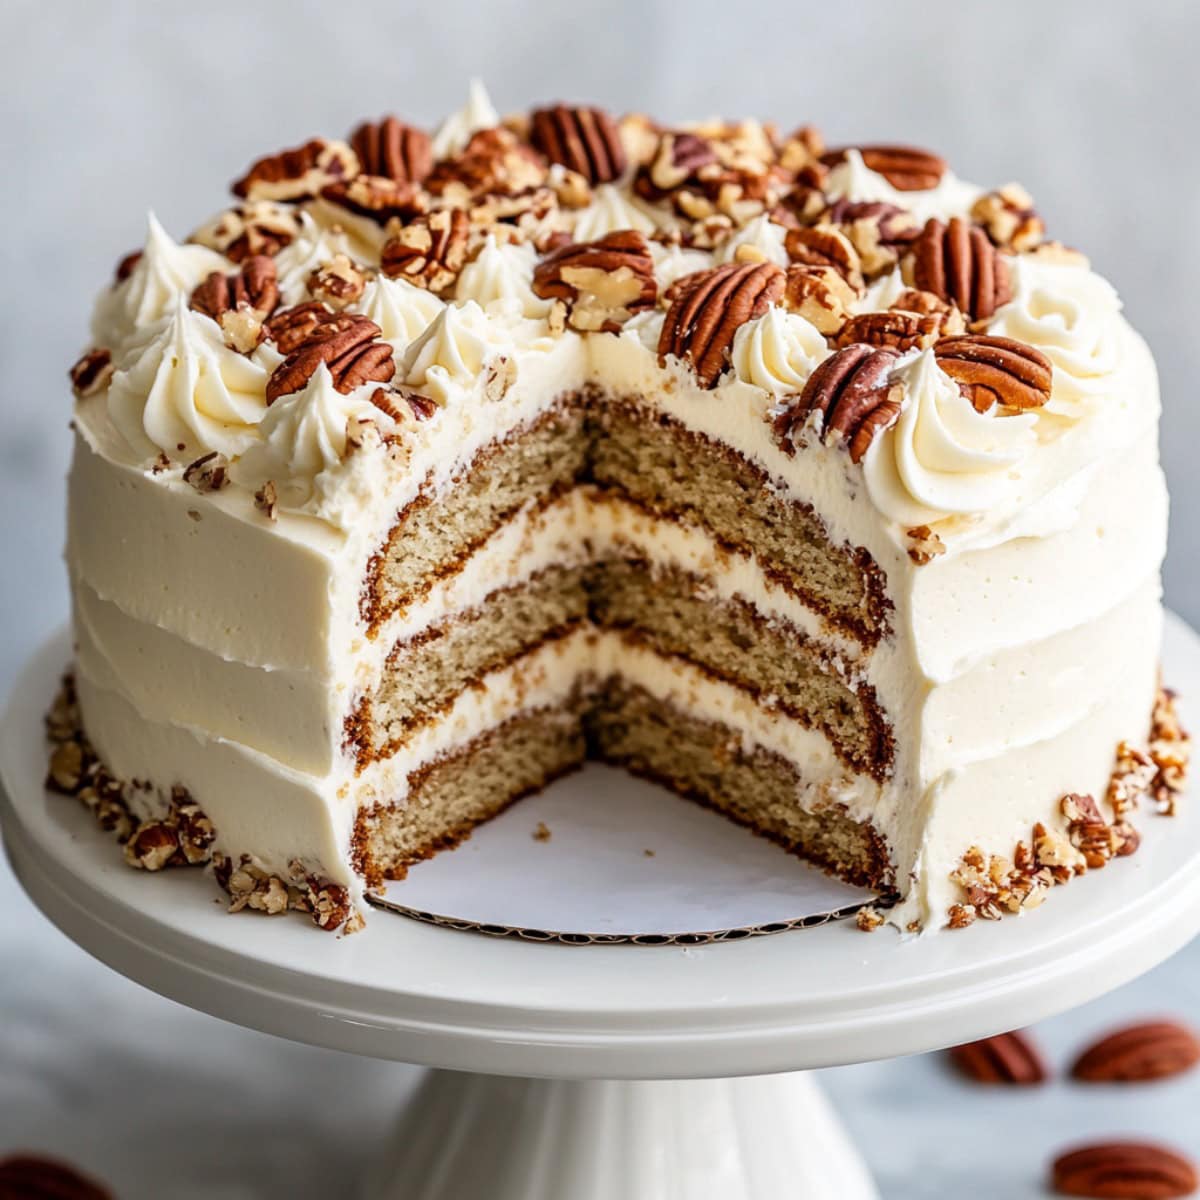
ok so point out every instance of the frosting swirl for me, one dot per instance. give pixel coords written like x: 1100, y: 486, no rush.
x: 448, y: 357
x: 183, y: 392
x: 611, y: 208
x: 1073, y: 317
x: 942, y: 457
x: 312, y: 247
x: 500, y: 278
x: 763, y: 235
x: 853, y: 180
x: 455, y: 131
x: 165, y: 269
x: 402, y: 310
x: 778, y: 351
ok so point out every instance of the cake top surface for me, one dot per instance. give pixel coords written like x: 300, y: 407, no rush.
x: 855, y: 304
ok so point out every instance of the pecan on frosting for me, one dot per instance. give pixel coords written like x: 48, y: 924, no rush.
x: 820, y: 295
x: 298, y: 173
x: 824, y: 246
x: 996, y: 370
x: 393, y: 150
x: 290, y: 327
x: 256, y: 227
x: 376, y: 197
x: 348, y: 345
x: 429, y: 251
x: 880, y: 232
x: 240, y: 302
x: 602, y: 283
x: 494, y: 162
x: 906, y: 168
x: 849, y: 397
x: 1010, y: 220
x: 707, y: 309
x: 958, y: 262
x: 584, y: 140
x: 900, y: 330
x: 92, y: 372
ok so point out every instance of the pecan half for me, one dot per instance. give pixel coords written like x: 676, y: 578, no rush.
x: 1009, y: 1058
x: 430, y: 251
x: 851, y: 396
x: 602, y: 283
x: 338, y: 283
x: 92, y: 372
x: 708, y: 308
x: 393, y: 150
x: 880, y: 232
x: 494, y: 161
x: 1124, y: 1171
x: 906, y: 168
x: 376, y: 197
x: 1138, y: 1053
x: 900, y: 330
x: 959, y: 263
x: 348, y: 345
x: 31, y: 1177
x: 584, y: 140
x: 289, y: 328
x: 1009, y: 218
x: 298, y: 173
x: 824, y: 246
x: 996, y: 370
x: 820, y: 295
x: 257, y: 227
x: 240, y: 302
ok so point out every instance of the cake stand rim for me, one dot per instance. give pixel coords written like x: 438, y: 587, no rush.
x: 695, y: 1012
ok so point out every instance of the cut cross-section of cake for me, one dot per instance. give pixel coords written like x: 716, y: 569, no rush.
x: 814, y: 485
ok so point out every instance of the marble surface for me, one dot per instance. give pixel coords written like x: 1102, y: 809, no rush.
x: 1087, y: 101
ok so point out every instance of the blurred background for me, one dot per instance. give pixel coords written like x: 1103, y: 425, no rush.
x: 112, y: 108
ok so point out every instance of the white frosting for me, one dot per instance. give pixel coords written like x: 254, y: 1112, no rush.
x: 455, y: 131
x: 166, y: 270
x: 762, y: 235
x: 183, y: 392
x: 778, y: 351
x: 313, y: 247
x: 612, y: 208
x: 674, y: 262
x: 500, y: 278
x: 942, y: 457
x: 402, y: 310
x: 853, y: 180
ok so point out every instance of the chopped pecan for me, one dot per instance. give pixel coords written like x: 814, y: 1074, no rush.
x: 289, y: 328
x: 240, y: 302
x: 208, y: 473
x: 678, y: 158
x: 1007, y: 1058
x: 393, y: 150
x: 708, y: 308
x: 1138, y: 1053
x: 824, y: 246
x: 923, y: 544
x: 430, y: 251
x: 880, y: 232
x: 1009, y: 218
x: 602, y: 283
x: 153, y: 846
x: 802, y: 149
x: 958, y: 263
x: 92, y: 372
x: 584, y: 140
x: 1095, y: 839
x: 1124, y: 1171
x: 902, y: 331
x: 376, y: 197
x: 403, y: 405
x: 494, y: 161
x: 996, y: 370
x: 256, y: 227
x: 849, y: 395
x: 916, y: 301
x: 266, y: 499
x: 348, y: 345
x: 906, y: 168
x: 338, y: 283
x: 298, y: 173
x: 819, y: 294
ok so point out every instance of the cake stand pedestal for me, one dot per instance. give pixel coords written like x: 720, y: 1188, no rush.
x: 601, y: 1072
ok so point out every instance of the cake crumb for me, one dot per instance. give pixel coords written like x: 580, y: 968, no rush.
x: 542, y: 832
x: 868, y: 919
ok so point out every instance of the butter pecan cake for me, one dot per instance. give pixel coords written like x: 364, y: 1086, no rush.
x: 812, y: 482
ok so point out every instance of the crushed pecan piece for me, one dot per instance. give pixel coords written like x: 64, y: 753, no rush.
x: 256, y: 227
x: 430, y: 251
x: 1009, y: 218
x: 240, y: 302
x: 849, y: 396
x: 403, y: 405
x: 958, y: 263
x: 494, y: 161
x: 906, y: 168
x: 923, y: 544
x: 348, y: 345
x: 820, y: 295
x: 298, y: 173
x: 1138, y: 1053
x: 878, y: 231
x: 901, y: 331
x: 868, y: 918
x: 208, y: 473
x: 996, y: 370
x: 584, y: 140
x: 707, y: 309
x: 153, y: 845
x: 266, y: 499
x: 602, y: 283
x: 393, y: 150
x: 376, y: 197
x: 92, y: 373
x: 337, y: 283
x: 1007, y: 1058
x: 824, y: 246
x: 1124, y: 1171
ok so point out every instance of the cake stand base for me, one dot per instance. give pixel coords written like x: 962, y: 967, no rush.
x: 487, y: 1137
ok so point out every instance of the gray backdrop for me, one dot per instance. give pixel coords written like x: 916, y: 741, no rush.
x: 112, y: 108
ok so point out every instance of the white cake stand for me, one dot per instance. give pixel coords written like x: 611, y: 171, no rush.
x: 600, y: 1072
